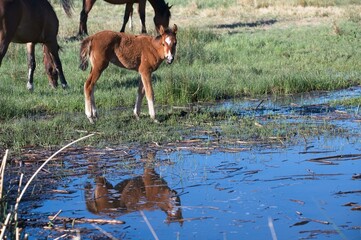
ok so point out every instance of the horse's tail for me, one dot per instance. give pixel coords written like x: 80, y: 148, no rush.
x: 84, y: 53
x: 67, y: 6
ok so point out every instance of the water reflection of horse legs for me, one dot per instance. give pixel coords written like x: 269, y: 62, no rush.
x: 146, y: 192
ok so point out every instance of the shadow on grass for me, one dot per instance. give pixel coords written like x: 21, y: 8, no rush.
x: 133, y: 82
x: 249, y: 24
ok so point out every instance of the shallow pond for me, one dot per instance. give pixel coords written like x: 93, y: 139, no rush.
x: 308, y: 190
x: 304, y: 191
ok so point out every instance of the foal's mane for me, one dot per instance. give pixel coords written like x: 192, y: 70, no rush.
x: 167, y: 31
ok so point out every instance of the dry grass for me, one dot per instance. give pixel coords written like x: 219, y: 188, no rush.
x: 286, y: 13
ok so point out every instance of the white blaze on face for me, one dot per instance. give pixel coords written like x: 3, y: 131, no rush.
x: 168, y: 41
x: 168, y: 54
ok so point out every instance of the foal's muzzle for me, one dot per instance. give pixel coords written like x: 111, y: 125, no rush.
x: 170, y: 58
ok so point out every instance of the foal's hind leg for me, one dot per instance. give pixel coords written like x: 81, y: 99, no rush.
x: 138, y: 101
x: 89, y: 88
x: 30, y: 47
x: 53, y: 48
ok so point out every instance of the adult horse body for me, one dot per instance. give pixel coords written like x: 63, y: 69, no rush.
x: 31, y: 22
x: 161, y: 13
x: 142, y: 53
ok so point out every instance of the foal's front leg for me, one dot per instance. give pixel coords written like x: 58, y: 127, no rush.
x: 90, y: 108
x: 89, y: 88
x: 148, y: 88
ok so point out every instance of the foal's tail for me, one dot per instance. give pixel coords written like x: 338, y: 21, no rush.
x: 84, y: 53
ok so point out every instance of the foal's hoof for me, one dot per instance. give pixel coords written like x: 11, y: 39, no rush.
x: 64, y: 86
x: 92, y: 120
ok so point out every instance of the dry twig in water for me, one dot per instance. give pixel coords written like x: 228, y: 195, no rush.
x: 149, y: 225
x: 104, y: 232
x: 86, y: 220
x: 272, y: 228
x: 2, y: 172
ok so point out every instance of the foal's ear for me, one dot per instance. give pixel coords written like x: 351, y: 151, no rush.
x: 161, y: 30
x: 175, y: 28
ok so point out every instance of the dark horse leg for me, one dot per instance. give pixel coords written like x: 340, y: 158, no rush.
x: 141, y: 11
x: 53, y: 68
x: 128, y: 12
x: 4, y: 44
x: 30, y: 47
x: 8, y: 24
x: 87, y: 6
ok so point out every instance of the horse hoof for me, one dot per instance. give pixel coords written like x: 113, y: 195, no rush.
x: 137, y: 117
x: 92, y: 120
x: 65, y: 86
x: 30, y: 86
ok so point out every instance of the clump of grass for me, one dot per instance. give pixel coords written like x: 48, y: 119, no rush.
x: 8, y: 215
x: 356, y: 101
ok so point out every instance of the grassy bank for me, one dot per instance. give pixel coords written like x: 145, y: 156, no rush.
x: 260, y: 51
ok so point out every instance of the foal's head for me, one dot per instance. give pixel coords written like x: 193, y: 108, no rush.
x: 169, y: 42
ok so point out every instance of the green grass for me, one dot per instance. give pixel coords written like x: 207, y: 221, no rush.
x: 209, y: 67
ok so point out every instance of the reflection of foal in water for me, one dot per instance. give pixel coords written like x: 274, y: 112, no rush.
x: 146, y: 192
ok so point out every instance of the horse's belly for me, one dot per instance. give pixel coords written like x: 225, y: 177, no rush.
x: 124, y: 63
x: 38, y: 23
x: 24, y: 38
x: 27, y: 31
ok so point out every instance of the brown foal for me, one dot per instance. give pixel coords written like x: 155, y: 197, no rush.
x: 141, y: 53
